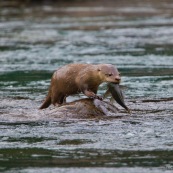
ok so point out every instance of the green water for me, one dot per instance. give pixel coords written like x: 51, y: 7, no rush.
x: 37, y: 39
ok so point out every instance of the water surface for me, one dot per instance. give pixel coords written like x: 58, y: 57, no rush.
x: 37, y: 39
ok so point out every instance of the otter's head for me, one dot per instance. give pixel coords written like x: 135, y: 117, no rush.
x: 109, y: 73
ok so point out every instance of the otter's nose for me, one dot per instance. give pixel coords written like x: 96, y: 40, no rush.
x: 118, y: 78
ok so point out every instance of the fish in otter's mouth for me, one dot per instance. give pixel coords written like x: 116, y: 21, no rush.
x: 115, y: 90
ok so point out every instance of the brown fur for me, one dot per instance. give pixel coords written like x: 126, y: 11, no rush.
x: 75, y: 78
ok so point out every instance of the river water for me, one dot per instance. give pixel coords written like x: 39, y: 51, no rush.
x: 36, y: 39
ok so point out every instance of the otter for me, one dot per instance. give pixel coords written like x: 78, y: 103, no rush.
x: 75, y: 78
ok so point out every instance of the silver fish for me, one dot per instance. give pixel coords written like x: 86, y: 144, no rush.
x: 115, y: 91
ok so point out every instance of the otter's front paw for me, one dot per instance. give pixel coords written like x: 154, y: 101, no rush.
x: 99, y: 97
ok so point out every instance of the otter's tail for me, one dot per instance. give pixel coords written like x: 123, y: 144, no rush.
x: 46, y: 103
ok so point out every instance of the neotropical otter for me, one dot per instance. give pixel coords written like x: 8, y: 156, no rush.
x: 76, y: 78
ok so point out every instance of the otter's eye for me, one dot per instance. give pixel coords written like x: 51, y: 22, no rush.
x: 108, y: 74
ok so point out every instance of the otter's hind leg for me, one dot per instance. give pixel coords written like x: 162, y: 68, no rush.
x: 58, y: 100
x: 64, y: 99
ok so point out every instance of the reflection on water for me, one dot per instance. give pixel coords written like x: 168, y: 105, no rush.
x: 34, y: 41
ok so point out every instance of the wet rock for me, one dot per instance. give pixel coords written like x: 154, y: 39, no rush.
x: 83, y: 108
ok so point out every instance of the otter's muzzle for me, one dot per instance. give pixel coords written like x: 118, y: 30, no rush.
x: 117, y: 79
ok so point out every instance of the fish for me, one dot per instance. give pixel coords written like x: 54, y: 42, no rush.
x: 115, y: 90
